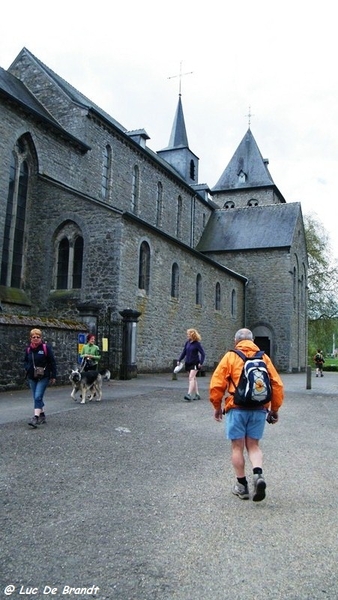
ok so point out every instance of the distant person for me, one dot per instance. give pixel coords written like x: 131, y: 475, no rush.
x: 194, y: 355
x: 319, y: 361
x: 91, y: 353
x: 245, y: 425
x: 39, y: 355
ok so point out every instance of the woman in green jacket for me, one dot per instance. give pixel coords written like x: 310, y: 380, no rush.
x: 91, y: 354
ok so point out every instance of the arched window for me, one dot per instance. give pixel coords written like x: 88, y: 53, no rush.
x: 159, y: 204
x: 175, y: 281
x: 218, y: 296
x: 78, y: 260
x: 106, y: 171
x: 229, y: 204
x: 179, y: 217
x: 135, y: 190
x: 233, y: 303
x: 144, y: 267
x: 69, y: 257
x: 294, y: 287
x: 253, y: 202
x: 14, y: 230
x: 199, y: 289
x: 62, y: 268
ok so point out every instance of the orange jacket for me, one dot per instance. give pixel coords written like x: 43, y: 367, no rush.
x: 230, y: 367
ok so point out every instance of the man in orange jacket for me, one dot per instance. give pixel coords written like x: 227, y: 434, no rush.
x: 245, y: 426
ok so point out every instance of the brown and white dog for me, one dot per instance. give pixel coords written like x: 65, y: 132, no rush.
x: 88, y: 383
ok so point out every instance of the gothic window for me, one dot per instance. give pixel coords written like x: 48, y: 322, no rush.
x: 62, y: 268
x: 192, y: 170
x: 229, y: 204
x: 14, y: 230
x: 69, y: 257
x: 233, y: 303
x: 199, y: 289
x: 253, y: 202
x: 78, y: 259
x: 159, y: 204
x: 218, y: 296
x: 144, y: 267
x: 179, y: 217
x: 175, y: 281
x: 294, y: 287
x: 106, y: 172
x: 135, y: 190
x: 241, y: 177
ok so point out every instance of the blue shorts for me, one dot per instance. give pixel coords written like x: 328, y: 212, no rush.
x: 241, y: 423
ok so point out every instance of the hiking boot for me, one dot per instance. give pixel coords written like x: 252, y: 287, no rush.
x: 197, y: 397
x: 187, y: 397
x: 259, y: 487
x: 42, y: 419
x: 34, y: 422
x: 240, y: 490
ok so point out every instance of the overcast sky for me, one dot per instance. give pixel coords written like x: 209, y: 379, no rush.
x: 278, y: 58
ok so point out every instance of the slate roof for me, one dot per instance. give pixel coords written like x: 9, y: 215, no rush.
x: 14, y: 90
x: 72, y: 92
x: 178, y: 137
x: 249, y: 160
x: 12, y: 87
x: 250, y: 228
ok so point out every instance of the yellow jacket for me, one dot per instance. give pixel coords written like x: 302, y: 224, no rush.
x: 230, y: 367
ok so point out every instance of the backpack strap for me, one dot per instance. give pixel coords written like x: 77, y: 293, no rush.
x: 44, y: 349
x: 240, y: 354
x: 258, y: 354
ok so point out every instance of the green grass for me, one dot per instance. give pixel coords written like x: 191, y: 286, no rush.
x: 331, y: 364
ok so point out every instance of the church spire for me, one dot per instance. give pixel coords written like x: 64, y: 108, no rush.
x: 178, y: 138
x: 177, y: 153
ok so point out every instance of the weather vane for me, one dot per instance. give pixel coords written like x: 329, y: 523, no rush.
x: 249, y: 115
x: 180, y: 75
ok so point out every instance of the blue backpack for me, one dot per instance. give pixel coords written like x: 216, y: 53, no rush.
x: 254, y: 386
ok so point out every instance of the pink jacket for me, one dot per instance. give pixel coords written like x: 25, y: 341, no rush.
x: 230, y: 367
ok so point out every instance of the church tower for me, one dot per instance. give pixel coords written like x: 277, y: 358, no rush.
x: 177, y: 153
x: 246, y: 181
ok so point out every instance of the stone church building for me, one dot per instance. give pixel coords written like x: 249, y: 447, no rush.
x: 93, y: 223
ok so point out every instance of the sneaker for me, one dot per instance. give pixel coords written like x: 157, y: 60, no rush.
x: 197, y: 397
x: 240, y: 490
x: 259, y: 487
x: 42, y: 419
x: 34, y: 422
x: 187, y: 397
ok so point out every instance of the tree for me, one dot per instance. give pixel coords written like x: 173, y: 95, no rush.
x: 322, y: 285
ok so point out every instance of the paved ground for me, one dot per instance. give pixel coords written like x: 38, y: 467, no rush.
x: 129, y: 499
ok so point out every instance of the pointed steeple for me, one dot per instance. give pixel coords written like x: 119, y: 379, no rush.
x: 246, y: 169
x: 178, y: 138
x: 177, y: 153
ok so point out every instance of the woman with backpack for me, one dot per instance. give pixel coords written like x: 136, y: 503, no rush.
x: 40, y: 367
x: 319, y: 361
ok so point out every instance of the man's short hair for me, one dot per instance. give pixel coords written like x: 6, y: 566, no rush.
x: 243, y: 334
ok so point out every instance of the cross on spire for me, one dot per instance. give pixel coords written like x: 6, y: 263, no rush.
x: 249, y: 115
x: 180, y: 75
